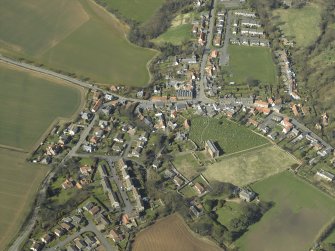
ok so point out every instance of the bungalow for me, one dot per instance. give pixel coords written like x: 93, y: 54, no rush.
x: 89, y: 206
x: 327, y: 176
x: 81, y: 244
x: 199, y: 188
x: 178, y: 181
x: 245, y: 13
x: 264, y: 42
x: 156, y: 164
x: 67, y: 226
x: 88, y: 148
x: 252, y: 122
x: 73, y: 129
x: 47, y: 238
x: 108, y: 97
x: 103, y: 124
x: 234, y: 40
x: 59, y: 232
x: 36, y: 246
x: 254, y: 42
x: 116, y: 148
x: 244, y: 41
x: 144, y: 137
x: 249, y: 22
x: 273, y: 135
x: 217, y: 40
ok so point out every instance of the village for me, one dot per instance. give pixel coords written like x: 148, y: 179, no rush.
x: 116, y: 141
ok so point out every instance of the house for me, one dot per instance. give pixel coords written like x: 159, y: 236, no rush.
x: 214, y: 54
x: 86, y: 116
x: 144, y: 137
x: 73, y: 129
x: 89, y: 206
x: 116, y: 237
x: 116, y: 148
x: 327, y: 176
x: 276, y: 118
x: 264, y: 42
x: 88, y: 148
x: 47, y: 238
x: 108, y: 97
x: 59, y: 232
x: 249, y: 22
x: 67, y: 226
x: 212, y: 149
x: 196, y: 211
x: 178, y: 181
x: 202, y: 39
x: 262, y: 104
x: 94, y: 210
x: 86, y: 170
x: 199, y: 188
x: 72, y: 248
x: 103, y: 124
x: 247, y: 195
x: 119, y: 138
x: 254, y: 42
x: 184, y: 94
x: 81, y: 244
x: 287, y: 125
x: 186, y: 124
x: 156, y: 164
x: 68, y: 183
x: 96, y: 105
x: 77, y: 219
x: 217, y: 40
x: 273, y: 135
x: 91, y: 241
x: 244, y: 13
x: 36, y: 246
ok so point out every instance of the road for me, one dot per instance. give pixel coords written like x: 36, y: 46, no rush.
x: 201, y: 95
x: 224, y: 56
x: 89, y: 228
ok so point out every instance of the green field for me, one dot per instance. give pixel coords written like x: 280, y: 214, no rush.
x: 75, y: 36
x: 176, y: 35
x: 29, y: 104
x: 245, y: 168
x: 230, y: 136
x: 19, y: 182
x: 187, y: 165
x: 229, y: 211
x: 138, y: 10
x: 250, y: 63
x: 301, y: 24
x: 300, y: 211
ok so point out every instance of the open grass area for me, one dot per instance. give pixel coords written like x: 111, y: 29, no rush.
x: 250, y: 63
x: 300, y: 211
x: 187, y: 165
x: 245, y: 168
x: 19, y: 182
x: 74, y: 36
x: 230, y: 136
x: 301, y: 24
x: 138, y: 10
x: 30, y: 103
x: 176, y: 34
x: 171, y: 233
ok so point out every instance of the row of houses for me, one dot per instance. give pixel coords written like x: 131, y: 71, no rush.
x: 250, y: 41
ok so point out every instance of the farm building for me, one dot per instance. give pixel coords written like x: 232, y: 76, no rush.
x: 247, y: 195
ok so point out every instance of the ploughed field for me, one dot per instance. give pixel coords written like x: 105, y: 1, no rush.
x: 75, y: 36
x: 171, y: 233
x: 29, y: 104
x: 300, y: 211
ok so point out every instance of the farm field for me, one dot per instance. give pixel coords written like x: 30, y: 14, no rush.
x: 19, y: 182
x: 245, y: 168
x: 30, y: 103
x: 171, y: 233
x: 230, y: 136
x: 140, y: 11
x: 250, y: 63
x: 176, y: 35
x: 301, y: 24
x: 75, y: 36
x: 300, y: 211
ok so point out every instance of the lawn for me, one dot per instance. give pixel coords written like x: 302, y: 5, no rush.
x: 19, y: 182
x: 176, y: 34
x: 229, y: 211
x: 230, y: 136
x: 138, y: 10
x: 245, y: 168
x: 301, y: 24
x: 300, y: 211
x: 30, y: 103
x: 250, y: 63
x: 74, y: 36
